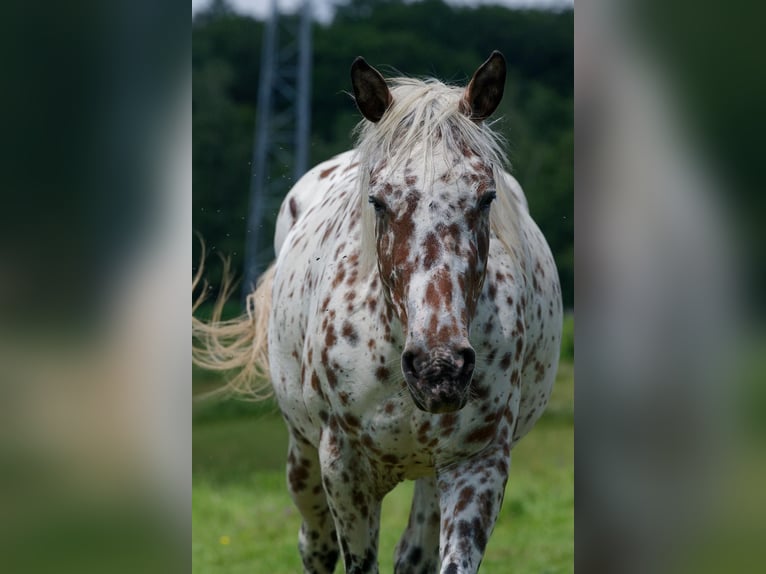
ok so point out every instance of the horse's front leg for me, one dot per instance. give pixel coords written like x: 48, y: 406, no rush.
x: 470, y: 496
x: 316, y: 541
x: 352, y: 495
x: 418, y: 548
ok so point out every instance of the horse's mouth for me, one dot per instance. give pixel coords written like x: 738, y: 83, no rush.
x: 441, y: 397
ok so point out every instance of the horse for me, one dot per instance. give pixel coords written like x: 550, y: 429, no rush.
x: 410, y: 327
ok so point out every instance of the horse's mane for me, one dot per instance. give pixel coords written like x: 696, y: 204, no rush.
x: 426, y: 115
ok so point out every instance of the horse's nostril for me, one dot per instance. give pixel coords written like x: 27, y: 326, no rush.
x: 408, y: 363
x: 469, y: 362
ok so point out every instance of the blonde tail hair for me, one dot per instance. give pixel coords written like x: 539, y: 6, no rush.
x: 237, y: 347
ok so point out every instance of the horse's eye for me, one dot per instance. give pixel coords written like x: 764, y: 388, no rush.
x: 486, y: 200
x: 377, y: 204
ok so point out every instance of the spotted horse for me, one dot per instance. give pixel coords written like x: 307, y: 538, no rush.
x: 414, y: 327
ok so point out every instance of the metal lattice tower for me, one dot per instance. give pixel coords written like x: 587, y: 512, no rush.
x: 282, y: 128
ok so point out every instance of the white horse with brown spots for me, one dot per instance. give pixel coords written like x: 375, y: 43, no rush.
x: 414, y: 327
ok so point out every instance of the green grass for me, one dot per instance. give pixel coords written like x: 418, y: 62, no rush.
x: 243, y: 519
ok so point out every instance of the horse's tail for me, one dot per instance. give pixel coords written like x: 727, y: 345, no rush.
x: 237, y: 347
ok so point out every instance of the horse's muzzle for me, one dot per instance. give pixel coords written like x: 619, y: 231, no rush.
x: 439, y: 379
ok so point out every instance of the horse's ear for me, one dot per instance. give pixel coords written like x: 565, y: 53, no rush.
x: 485, y: 90
x: 370, y: 90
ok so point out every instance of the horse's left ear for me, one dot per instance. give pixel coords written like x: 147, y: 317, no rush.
x: 485, y: 90
x: 370, y: 90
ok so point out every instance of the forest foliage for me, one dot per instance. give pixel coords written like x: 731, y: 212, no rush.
x: 423, y: 38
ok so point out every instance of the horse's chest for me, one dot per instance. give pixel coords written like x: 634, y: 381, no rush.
x: 396, y: 440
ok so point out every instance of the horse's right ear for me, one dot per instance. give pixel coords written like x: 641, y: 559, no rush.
x: 370, y: 90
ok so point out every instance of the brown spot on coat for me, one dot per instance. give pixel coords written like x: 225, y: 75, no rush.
x: 447, y: 422
x: 431, y: 248
x: 465, y: 498
x: 351, y: 421
x: 350, y: 334
x: 482, y: 434
x: 325, y: 172
x: 330, y: 338
x: 519, y: 348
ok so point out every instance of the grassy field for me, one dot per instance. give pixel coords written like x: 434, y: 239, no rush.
x: 243, y: 519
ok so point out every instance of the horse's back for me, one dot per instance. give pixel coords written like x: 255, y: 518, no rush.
x: 309, y: 190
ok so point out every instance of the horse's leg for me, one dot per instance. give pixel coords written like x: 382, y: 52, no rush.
x: 316, y: 541
x: 418, y: 548
x: 470, y: 496
x: 354, y: 501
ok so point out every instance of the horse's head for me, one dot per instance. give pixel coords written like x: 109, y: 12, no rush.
x: 430, y: 188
